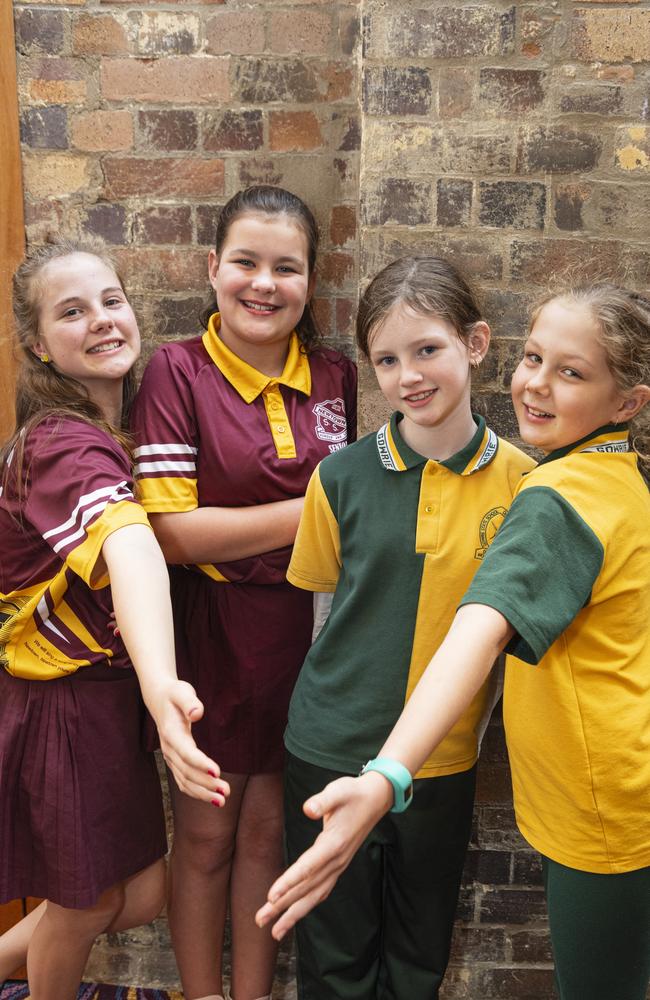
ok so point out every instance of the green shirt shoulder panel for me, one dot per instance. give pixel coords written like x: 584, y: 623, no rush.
x: 539, y: 571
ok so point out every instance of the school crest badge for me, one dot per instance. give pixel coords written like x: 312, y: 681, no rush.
x: 490, y: 524
x: 331, y: 423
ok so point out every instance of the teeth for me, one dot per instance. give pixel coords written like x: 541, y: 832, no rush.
x: 104, y: 347
x: 420, y: 395
x: 539, y: 413
x: 259, y: 308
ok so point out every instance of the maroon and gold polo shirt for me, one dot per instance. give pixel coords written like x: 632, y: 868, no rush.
x: 54, y: 609
x: 212, y: 431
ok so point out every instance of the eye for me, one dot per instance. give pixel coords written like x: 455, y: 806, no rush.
x: 428, y: 350
x: 244, y: 261
x: 114, y: 300
x: 534, y: 359
x: 286, y: 269
x: 571, y: 373
x: 385, y: 362
x: 72, y: 312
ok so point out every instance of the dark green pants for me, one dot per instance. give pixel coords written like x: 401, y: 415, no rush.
x: 600, y: 931
x: 384, y: 932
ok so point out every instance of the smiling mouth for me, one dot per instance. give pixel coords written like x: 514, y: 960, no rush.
x: 260, y: 307
x: 537, y: 413
x: 417, y: 397
x: 101, y: 348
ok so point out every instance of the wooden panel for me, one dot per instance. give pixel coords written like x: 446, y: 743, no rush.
x: 12, y: 232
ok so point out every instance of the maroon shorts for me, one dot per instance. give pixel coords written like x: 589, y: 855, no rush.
x: 241, y: 646
x: 80, y: 800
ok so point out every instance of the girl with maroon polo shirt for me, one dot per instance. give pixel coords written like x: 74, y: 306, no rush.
x: 81, y: 820
x: 230, y: 426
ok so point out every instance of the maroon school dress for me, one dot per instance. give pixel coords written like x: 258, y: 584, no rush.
x: 213, y: 431
x: 80, y: 802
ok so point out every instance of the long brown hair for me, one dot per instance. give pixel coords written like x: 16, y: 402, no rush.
x: 41, y: 389
x: 265, y: 199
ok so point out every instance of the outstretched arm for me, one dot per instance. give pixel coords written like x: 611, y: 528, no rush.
x: 222, y: 534
x: 350, y: 807
x: 140, y: 588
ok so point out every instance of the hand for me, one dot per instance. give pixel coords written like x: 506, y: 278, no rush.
x: 174, y: 708
x: 349, y: 807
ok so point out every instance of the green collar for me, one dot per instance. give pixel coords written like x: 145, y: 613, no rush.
x: 397, y: 456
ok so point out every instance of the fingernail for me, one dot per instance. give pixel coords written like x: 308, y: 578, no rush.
x: 212, y: 774
x: 216, y: 802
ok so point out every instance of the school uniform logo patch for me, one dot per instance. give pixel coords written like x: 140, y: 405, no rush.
x: 331, y: 423
x: 487, y: 529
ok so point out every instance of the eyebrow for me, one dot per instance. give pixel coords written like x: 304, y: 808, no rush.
x: 532, y: 343
x: 77, y: 298
x: 251, y: 253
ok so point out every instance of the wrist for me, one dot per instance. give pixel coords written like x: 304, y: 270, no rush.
x: 398, y: 778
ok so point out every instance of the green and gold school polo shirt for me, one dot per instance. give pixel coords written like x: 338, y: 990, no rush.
x: 397, y: 538
x: 570, y: 570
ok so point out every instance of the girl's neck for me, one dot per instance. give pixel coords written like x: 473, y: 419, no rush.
x: 441, y: 441
x: 108, y: 397
x: 269, y: 359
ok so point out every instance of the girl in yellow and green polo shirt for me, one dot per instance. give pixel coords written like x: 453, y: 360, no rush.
x: 565, y: 590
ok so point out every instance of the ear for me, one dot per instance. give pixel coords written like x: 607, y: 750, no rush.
x: 478, y: 342
x: 38, y: 348
x: 633, y: 403
x: 213, y: 267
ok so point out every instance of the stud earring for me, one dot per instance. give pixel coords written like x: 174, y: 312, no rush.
x: 45, y: 358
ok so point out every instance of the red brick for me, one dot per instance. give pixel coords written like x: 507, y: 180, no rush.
x: 98, y: 131
x: 345, y: 311
x: 558, y: 150
x: 108, y: 221
x: 337, y: 81
x: 308, y: 34
x: 336, y: 268
x: 98, y: 34
x: 45, y: 127
x: 240, y: 32
x: 512, y: 90
x: 175, y: 79
x: 169, y: 130
x: 170, y: 176
x: 179, y: 317
x: 234, y: 130
x: 38, y: 30
x: 260, y: 81
x: 164, y: 224
x: 343, y: 224
x: 454, y: 92
x: 150, y: 269
x: 206, y: 223
x: 397, y: 91
x: 294, y: 130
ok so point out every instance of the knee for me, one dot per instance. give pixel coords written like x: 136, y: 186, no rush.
x: 260, y: 842
x: 92, y: 921
x: 206, y: 853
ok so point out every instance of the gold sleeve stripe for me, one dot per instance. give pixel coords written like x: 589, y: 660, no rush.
x: 82, y: 559
x: 316, y: 560
x: 168, y: 494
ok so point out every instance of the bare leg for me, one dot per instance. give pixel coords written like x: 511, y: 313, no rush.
x: 257, y: 863
x: 199, y: 876
x: 143, y: 896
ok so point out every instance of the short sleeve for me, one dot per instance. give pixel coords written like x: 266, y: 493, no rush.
x: 163, y: 421
x: 316, y: 559
x: 79, y: 491
x: 539, y: 571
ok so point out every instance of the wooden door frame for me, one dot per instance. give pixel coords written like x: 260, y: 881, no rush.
x: 12, y: 224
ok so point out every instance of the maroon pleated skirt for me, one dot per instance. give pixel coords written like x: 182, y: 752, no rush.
x: 80, y: 799
x: 241, y: 646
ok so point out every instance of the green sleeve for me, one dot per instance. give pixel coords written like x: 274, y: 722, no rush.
x: 539, y: 570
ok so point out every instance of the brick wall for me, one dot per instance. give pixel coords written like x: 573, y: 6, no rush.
x: 513, y: 137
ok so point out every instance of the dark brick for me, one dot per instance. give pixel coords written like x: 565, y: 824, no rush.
x: 501, y: 418
x: 343, y: 224
x: 234, y: 130
x: 516, y: 984
x: 466, y: 905
x: 179, y: 317
x: 401, y: 202
x: 454, y: 202
x: 567, y: 208
x: 164, y: 224
x: 487, y: 867
x: 453, y: 32
x: 595, y: 100
x: 532, y: 946
x: 261, y: 81
x: 493, y: 747
x: 477, y: 257
x: 558, y: 150
x: 511, y: 352
x: 478, y: 154
x: 108, y: 221
x: 512, y: 90
x: 206, y: 223
x: 538, y: 262
x: 512, y: 203
x: 507, y: 314
x: 348, y: 131
x: 389, y: 90
x: 478, y: 944
x: 253, y: 171
x: 494, y: 783
x: 169, y: 130
x: 349, y: 29
x: 45, y: 127
x: 512, y: 906
x: 527, y: 868
x: 345, y: 311
x: 454, y: 92
x: 39, y: 31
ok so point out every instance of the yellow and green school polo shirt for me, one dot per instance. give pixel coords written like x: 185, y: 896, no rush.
x: 570, y: 570
x: 397, y: 538
x: 212, y: 431
x: 77, y: 488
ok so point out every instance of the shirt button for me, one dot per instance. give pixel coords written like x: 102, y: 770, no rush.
x: 428, y: 508
x: 280, y: 429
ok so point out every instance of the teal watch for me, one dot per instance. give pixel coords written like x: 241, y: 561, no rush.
x: 399, y: 777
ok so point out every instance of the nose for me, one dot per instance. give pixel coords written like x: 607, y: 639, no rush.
x: 409, y: 374
x: 263, y: 281
x: 538, y: 380
x: 101, y: 318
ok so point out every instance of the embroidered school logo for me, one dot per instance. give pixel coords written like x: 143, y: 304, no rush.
x: 331, y: 424
x: 487, y: 529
